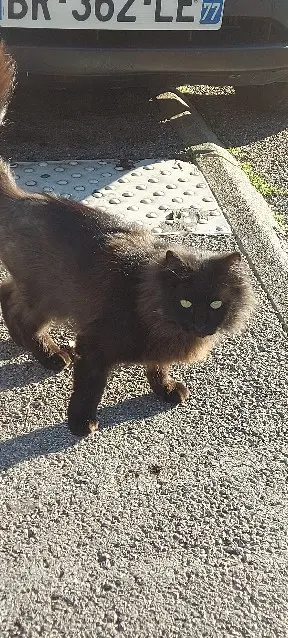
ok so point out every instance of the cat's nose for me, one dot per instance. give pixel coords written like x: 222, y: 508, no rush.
x: 202, y: 330
x: 200, y: 327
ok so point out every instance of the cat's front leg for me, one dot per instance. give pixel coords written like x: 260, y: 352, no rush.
x: 165, y: 386
x: 90, y: 376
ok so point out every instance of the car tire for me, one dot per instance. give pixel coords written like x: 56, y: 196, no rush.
x: 270, y: 97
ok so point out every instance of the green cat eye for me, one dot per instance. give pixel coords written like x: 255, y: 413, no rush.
x: 215, y: 305
x: 185, y: 303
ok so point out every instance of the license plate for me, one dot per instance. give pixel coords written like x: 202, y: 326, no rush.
x: 112, y: 14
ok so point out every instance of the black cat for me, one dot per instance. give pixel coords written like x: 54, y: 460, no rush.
x: 131, y: 297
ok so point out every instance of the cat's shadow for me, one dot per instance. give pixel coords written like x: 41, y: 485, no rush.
x: 9, y: 350
x: 17, y: 374
x: 57, y: 438
x: 134, y: 409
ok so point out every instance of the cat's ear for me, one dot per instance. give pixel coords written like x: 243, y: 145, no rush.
x: 172, y: 259
x: 230, y: 260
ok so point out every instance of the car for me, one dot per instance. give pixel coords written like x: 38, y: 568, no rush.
x: 159, y: 43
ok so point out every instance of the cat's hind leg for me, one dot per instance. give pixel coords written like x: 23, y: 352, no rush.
x: 29, y: 328
x: 165, y: 386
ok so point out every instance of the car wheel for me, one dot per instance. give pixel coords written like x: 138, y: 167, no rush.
x: 270, y: 97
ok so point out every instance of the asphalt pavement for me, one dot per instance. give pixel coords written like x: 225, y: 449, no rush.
x: 168, y: 522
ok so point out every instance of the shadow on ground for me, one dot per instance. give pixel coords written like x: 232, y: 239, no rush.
x: 52, y: 439
x: 83, y: 124
x: 18, y: 375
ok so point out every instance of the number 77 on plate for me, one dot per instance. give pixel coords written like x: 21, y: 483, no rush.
x: 211, y: 12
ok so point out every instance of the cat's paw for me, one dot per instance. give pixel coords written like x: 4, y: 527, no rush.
x: 176, y: 393
x: 82, y: 428
x: 78, y: 423
x: 57, y: 361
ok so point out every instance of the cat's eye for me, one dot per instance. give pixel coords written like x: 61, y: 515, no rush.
x: 216, y: 304
x: 185, y: 303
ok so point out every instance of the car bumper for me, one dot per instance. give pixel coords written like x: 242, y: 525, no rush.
x: 227, y: 65
x: 250, y: 48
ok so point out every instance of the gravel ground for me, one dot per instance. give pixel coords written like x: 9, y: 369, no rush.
x: 262, y: 139
x: 167, y: 522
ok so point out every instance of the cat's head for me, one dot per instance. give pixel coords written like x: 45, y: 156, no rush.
x: 206, y: 293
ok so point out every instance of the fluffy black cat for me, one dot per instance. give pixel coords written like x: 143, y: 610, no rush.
x: 131, y: 297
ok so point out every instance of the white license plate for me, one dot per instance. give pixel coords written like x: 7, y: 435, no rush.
x: 112, y: 14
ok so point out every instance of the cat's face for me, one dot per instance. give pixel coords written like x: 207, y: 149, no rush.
x: 205, y: 295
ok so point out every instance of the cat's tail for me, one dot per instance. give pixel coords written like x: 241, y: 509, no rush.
x: 7, y: 83
x: 7, y: 79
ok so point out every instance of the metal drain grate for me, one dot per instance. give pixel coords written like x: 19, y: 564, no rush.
x: 165, y: 195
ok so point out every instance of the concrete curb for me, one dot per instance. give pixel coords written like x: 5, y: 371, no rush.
x: 248, y: 214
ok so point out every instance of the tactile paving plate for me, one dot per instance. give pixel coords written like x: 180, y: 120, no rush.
x: 165, y: 195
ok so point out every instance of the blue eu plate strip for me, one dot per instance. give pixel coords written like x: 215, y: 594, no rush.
x: 211, y: 12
